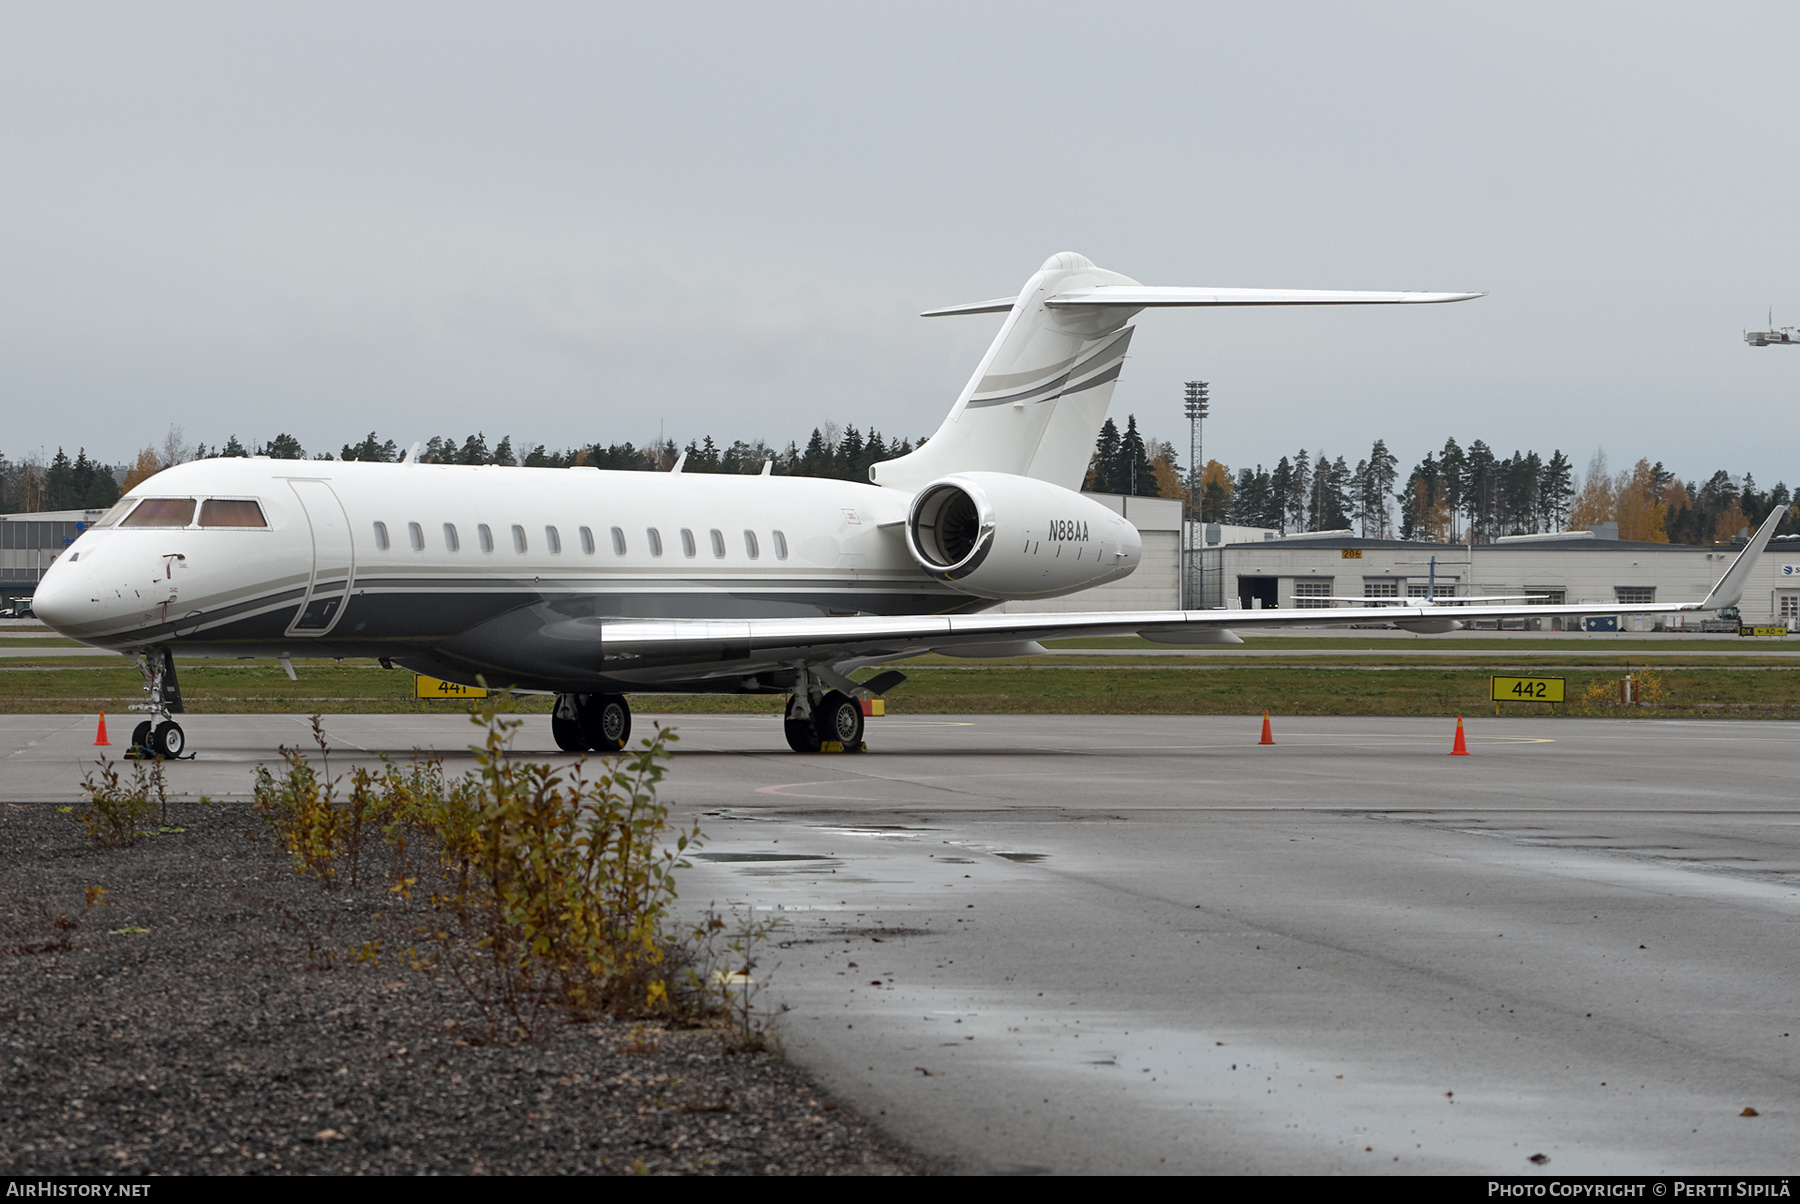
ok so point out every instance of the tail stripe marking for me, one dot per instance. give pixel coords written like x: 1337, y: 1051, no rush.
x: 1110, y: 354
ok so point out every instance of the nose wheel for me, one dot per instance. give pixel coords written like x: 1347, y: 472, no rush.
x: 159, y: 736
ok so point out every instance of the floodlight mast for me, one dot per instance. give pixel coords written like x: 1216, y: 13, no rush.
x: 1196, y: 406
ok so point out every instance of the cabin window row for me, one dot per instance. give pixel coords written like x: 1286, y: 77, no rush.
x: 552, y: 537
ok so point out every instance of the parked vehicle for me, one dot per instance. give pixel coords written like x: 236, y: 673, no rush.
x: 1726, y: 621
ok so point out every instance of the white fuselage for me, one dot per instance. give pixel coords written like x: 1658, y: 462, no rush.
x: 456, y: 569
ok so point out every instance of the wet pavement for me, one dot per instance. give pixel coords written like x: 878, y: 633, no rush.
x: 1123, y: 943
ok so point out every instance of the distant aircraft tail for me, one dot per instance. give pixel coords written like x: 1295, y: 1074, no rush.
x: 1036, y: 402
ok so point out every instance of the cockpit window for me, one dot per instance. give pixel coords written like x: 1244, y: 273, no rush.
x: 161, y: 512
x: 231, y: 512
x: 117, y: 512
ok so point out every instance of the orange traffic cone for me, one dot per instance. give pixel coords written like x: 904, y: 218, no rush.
x: 100, y: 736
x: 1460, y: 748
x: 1268, y: 736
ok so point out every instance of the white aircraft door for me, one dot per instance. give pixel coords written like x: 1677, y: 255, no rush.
x: 333, y: 559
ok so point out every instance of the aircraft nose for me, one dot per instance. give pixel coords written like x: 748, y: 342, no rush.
x: 62, y: 599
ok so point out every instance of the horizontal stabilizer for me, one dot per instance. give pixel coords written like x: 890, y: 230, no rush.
x: 998, y: 305
x: 1139, y: 296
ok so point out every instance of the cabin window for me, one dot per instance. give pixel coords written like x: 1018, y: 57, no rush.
x: 518, y: 539
x: 780, y: 545
x: 451, y: 542
x: 687, y: 543
x: 381, y: 539
x: 553, y: 540
x: 231, y: 512
x: 618, y: 541
x: 750, y: 544
x: 655, y: 538
x: 718, y: 543
x: 161, y: 512
x: 416, y: 534
x: 486, y: 536
x: 587, y: 541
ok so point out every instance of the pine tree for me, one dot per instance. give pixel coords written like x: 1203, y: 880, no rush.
x: 815, y: 461
x: 1106, y: 457
x: 1131, y: 472
x: 283, y: 447
x: 1299, y: 492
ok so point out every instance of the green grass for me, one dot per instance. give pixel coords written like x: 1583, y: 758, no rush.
x: 937, y: 685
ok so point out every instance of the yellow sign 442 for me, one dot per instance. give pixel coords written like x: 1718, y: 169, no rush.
x: 1528, y: 689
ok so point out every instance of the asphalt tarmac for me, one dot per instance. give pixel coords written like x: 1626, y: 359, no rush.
x: 1117, y: 944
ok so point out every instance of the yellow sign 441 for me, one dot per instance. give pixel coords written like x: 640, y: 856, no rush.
x: 431, y: 687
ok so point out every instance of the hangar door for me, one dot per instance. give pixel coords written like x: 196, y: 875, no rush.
x: 1257, y: 593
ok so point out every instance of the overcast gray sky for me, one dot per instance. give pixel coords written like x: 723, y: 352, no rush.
x: 586, y: 222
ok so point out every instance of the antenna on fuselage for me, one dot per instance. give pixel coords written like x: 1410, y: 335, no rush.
x: 679, y: 461
x: 768, y: 467
x: 410, y: 455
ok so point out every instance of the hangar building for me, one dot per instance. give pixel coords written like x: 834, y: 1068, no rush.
x: 1577, y: 568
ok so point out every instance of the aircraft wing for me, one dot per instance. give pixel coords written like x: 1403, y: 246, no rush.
x: 824, y: 640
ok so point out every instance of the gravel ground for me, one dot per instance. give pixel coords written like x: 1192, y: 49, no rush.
x: 177, y: 1029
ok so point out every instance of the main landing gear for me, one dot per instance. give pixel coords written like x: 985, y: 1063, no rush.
x: 160, y: 735
x: 834, y: 723
x: 591, y: 722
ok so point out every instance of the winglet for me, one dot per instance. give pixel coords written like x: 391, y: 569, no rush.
x: 1731, y: 586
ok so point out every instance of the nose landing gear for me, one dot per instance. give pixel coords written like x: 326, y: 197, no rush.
x: 158, y: 736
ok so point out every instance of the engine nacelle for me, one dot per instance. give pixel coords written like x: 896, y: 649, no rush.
x: 996, y: 535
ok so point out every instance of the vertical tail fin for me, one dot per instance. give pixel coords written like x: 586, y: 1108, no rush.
x: 1035, y: 404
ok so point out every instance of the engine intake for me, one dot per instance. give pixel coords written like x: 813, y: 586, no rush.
x: 1001, y: 536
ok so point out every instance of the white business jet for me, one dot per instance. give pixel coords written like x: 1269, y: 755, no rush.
x: 592, y: 585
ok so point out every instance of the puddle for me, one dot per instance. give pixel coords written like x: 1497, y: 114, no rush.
x: 742, y: 857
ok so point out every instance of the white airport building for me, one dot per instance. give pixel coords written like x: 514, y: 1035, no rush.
x: 1252, y: 568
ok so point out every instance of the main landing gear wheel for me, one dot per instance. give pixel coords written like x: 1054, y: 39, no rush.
x: 606, y: 722
x: 836, y: 724
x: 839, y: 719
x: 802, y: 736
x: 140, y: 740
x: 567, y: 733
x: 167, y: 740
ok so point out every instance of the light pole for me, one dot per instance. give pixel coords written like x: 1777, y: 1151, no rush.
x: 1195, y: 405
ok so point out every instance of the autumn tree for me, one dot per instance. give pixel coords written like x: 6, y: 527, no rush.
x: 146, y: 467
x: 1215, y: 492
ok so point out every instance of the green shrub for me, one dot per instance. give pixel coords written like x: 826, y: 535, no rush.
x: 550, y: 891
x: 115, y: 808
